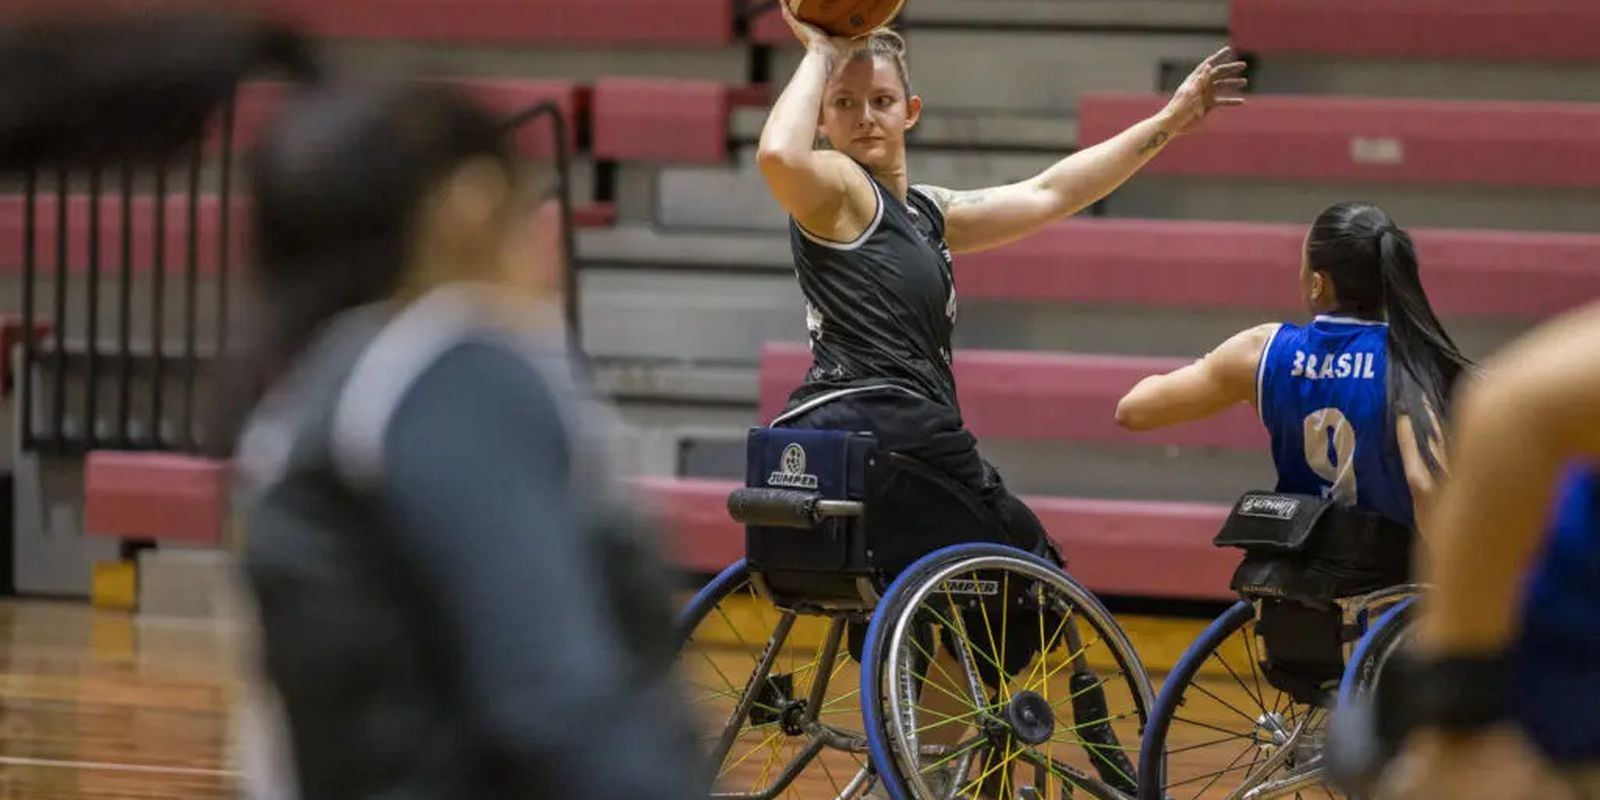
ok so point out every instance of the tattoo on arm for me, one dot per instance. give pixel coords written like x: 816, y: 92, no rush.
x: 959, y: 199
x: 947, y: 199
x: 1156, y: 141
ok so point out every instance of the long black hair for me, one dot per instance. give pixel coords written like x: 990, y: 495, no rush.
x: 1373, y: 266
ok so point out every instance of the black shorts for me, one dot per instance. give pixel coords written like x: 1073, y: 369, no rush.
x: 933, y: 434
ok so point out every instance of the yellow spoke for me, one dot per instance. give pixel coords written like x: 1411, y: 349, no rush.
x: 746, y: 757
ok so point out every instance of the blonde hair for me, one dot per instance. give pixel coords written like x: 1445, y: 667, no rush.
x: 886, y: 44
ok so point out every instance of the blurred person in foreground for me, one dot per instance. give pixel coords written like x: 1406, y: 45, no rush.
x: 1503, y: 700
x: 453, y: 600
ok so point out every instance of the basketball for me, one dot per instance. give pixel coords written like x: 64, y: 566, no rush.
x: 846, y: 17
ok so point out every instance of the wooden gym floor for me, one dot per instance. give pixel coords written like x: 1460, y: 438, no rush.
x: 97, y: 706
x: 100, y: 705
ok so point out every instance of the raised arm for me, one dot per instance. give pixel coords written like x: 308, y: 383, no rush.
x: 1225, y: 376
x: 982, y: 218
x: 823, y: 190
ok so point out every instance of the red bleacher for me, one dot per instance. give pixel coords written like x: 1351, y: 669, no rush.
x: 1185, y: 264
x: 769, y: 28
x: 156, y: 496
x: 1498, y: 30
x: 1147, y: 549
x: 260, y: 101
x: 1391, y: 141
x: 1042, y: 396
x: 661, y: 120
x: 1115, y: 547
x: 13, y: 214
x: 599, y: 22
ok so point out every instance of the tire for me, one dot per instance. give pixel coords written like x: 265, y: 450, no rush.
x: 891, y: 681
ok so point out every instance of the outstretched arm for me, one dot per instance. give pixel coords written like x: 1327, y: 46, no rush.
x: 1225, y: 376
x: 984, y: 218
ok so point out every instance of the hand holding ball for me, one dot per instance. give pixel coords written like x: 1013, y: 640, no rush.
x: 847, y: 18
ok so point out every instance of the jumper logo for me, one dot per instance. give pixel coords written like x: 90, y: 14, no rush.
x: 1268, y: 507
x: 970, y: 586
x: 791, y: 471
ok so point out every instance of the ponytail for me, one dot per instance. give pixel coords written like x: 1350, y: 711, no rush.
x: 1424, y: 362
x: 1373, y: 267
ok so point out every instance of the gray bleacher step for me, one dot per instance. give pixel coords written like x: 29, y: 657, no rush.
x: 1460, y: 79
x: 683, y: 382
x: 703, y: 316
x: 1225, y: 199
x: 1197, y: 14
x: 634, y: 243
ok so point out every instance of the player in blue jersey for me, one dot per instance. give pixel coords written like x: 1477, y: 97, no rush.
x: 1354, y: 400
x: 1509, y: 636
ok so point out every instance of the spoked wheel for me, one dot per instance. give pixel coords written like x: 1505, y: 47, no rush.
x: 774, y: 694
x: 992, y: 674
x: 1360, y: 744
x: 1223, y: 732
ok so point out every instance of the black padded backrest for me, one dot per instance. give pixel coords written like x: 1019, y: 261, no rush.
x: 914, y: 509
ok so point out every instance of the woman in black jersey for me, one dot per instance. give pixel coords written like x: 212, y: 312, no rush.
x: 873, y: 252
x: 453, y: 602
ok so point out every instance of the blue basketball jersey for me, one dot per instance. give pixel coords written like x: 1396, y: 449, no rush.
x: 1558, y: 655
x: 1322, y: 392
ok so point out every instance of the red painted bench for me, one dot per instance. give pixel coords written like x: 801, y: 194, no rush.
x: 156, y: 496
x: 1151, y: 549
x: 1041, y: 396
x: 1185, y: 264
x: 1502, y: 30
x: 1116, y: 547
x: 662, y: 120
x: 13, y: 215
x: 1386, y: 141
x: 598, y: 22
x: 260, y: 101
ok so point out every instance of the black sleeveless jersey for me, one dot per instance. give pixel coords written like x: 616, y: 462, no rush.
x: 880, y: 310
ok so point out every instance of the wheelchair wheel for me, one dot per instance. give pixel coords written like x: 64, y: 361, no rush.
x: 774, y: 695
x: 1382, y: 640
x: 1360, y: 743
x: 1219, y: 729
x: 989, y: 673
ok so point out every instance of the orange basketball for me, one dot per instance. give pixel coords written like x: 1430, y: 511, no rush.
x: 847, y: 17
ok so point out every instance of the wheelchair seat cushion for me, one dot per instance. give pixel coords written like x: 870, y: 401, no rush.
x: 1313, y: 551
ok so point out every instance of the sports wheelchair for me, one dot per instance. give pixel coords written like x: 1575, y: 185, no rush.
x: 1325, y: 603
x: 880, y: 639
